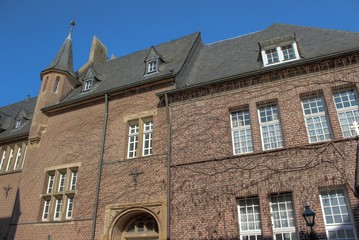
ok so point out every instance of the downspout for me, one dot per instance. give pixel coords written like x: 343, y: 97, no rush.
x: 168, y: 167
x: 99, y: 173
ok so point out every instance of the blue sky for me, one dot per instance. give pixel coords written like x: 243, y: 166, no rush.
x: 33, y: 31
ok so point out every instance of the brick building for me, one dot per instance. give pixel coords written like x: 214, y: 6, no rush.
x: 186, y: 140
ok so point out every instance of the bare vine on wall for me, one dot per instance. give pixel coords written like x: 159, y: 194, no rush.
x: 210, y: 176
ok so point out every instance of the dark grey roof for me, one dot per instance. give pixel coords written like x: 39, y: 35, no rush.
x: 9, y: 114
x: 242, y: 54
x: 130, y: 70
x: 63, y: 60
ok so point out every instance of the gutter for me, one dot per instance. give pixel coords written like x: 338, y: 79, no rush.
x: 99, y: 173
x: 12, y: 138
x: 169, y: 153
x: 257, y: 72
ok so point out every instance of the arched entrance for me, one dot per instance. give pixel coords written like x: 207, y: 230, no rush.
x: 136, y: 225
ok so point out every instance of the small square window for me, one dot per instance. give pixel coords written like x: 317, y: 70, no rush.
x: 18, y: 123
x: 272, y: 56
x: 152, y: 66
x: 88, y: 85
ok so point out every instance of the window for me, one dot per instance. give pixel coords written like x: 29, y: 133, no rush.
x: 46, y: 211
x: 70, y: 204
x: 272, y: 56
x: 50, y: 185
x: 132, y: 140
x: 62, y: 182
x: 270, y: 128
x: 316, y: 119
x: 18, y: 123
x: 58, y: 207
x: 140, y: 137
x: 2, y: 159
x: 56, y: 84
x: 147, y: 138
x: 288, y: 52
x: 346, y: 104
x: 17, y: 160
x: 281, y: 209
x: 12, y: 157
x: 73, y: 180
x: 45, y: 84
x: 337, y: 218
x: 241, y: 132
x: 141, y: 227
x: 283, y: 52
x: 152, y: 66
x: 249, y: 219
x: 88, y: 85
x: 9, y: 161
x: 58, y: 199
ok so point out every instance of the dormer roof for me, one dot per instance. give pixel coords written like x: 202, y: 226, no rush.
x: 153, y: 54
x: 11, y: 113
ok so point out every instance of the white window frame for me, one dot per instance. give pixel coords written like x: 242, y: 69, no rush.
x: 147, y: 138
x: 88, y: 84
x: 249, y: 210
x: 58, y: 209
x: 50, y: 184
x: 2, y: 159
x: 275, y: 123
x: 18, y: 155
x: 279, y: 51
x: 133, y: 131
x: 241, y: 132
x: 9, y: 160
x: 352, y: 109
x: 46, y: 210
x: 62, y: 182
x: 350, y: 225
x: 289, y: 208
x: 73, y: 180
x: 18, y: 123
x: 312, y: 116
x: 152, y: 66
x: 70, y: 207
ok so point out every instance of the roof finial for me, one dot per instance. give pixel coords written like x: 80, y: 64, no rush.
x: 72, y: 23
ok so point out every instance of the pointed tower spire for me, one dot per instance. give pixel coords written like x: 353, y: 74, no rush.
x: 64, y: 61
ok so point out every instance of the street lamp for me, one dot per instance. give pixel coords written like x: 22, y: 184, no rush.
x: 309, y: 217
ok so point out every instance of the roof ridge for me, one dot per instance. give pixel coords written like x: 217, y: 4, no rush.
x: 243, y: 35
x: 149, y: 48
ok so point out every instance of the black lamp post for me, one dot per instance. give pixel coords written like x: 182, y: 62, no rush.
x: 309, y: 217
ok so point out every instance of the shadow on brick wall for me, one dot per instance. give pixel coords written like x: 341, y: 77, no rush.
x: 8, y: 225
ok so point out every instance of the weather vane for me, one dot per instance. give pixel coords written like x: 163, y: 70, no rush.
x: 72, y: 23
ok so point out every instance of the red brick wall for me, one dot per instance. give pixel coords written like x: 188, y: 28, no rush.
x: 207, y: 179
x: 75, y: 136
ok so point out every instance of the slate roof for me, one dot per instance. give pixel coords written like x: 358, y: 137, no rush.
x: 64, y: 59
x: 130, y: 70
x: 242, y: 54
x: 9, y: 114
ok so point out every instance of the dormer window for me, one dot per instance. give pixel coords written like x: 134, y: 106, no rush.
x: 279, y: 50
x: 153, y: 61
x: 152, y: 66
x: 88, y: 85
x: 18, y: 124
